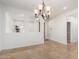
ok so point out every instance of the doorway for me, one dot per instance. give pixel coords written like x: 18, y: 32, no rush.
x: 68, y: 32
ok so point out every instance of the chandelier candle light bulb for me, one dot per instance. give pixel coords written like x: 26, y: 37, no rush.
x: 47, y: 8
x: 40, y: 7
x: 36, y: 11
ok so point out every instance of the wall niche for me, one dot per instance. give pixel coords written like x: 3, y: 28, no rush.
x: 14, y: 24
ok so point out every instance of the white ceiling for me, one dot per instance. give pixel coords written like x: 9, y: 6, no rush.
x: 57, y: 6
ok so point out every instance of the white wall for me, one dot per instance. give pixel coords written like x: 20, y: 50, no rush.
x: 57, y: 30
x: 1, y: 27
x: 74, y: 27
x: 0, y: 38
x: 20, y: 40
x: 74, y: 30
x: 14, y: 40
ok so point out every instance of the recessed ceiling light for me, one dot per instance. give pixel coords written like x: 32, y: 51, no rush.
x: 65, y: 8
x: 21, y: 15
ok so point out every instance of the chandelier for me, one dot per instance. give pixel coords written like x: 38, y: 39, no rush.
x: 43, y: 11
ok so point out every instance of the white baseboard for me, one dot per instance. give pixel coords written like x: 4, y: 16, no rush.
x: 61, y: 42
